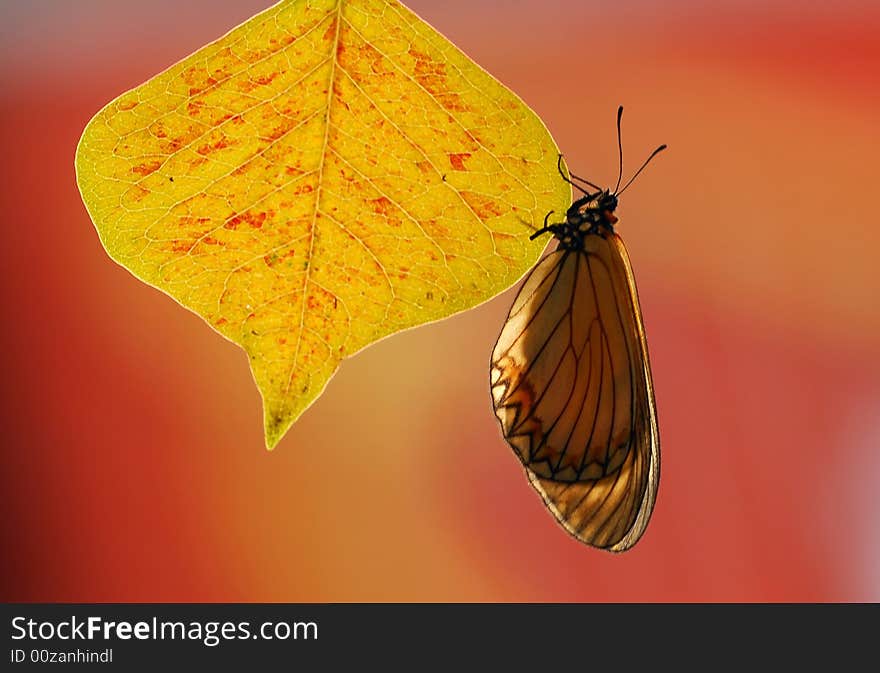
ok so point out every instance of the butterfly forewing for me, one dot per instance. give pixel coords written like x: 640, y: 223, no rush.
x: 571, y: 386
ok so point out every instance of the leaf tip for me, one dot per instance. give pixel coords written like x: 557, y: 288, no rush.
x: 276, y: 423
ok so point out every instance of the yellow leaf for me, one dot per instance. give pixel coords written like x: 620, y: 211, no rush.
x: 324, y: 175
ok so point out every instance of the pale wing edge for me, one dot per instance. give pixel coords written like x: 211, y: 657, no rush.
x: 646, y: 508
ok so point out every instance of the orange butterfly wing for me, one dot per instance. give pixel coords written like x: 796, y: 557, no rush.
x: 571, y: 386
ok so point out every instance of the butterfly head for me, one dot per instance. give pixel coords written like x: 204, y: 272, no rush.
x: 592, y: 213
x: 606, y: 205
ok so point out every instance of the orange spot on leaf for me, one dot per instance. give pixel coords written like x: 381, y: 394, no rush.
x: 432, y: 77
x: 138, y: 193
x: 254, y: 220
x: 189, y: 76
x: 283, y: 41
x: 457, y: 160
x: 197, y: 87
x: 146, y: 168
x: 330, y: 33
x: 475, y: 139
x: 280, y: 130
x: 437, y: 230
x: 272, y: 258
x: 208, y: 148
x: 483, y: 206
x: 452, y: 101
x: 190, y: 221
x: 263, y: 80
x: 382, y: 205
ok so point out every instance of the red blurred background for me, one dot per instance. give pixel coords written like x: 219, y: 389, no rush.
x: 133, y: 466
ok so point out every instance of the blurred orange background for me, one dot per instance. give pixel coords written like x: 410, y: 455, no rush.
x: 133, y: 464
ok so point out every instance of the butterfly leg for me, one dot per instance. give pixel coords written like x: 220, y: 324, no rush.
x: 544, y: 229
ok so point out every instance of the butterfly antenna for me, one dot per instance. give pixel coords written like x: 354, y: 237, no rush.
x: 653, y: 154
x: 619, y: 150
x: 568, y: 179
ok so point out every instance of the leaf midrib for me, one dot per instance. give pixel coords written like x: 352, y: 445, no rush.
x: 318, y: 189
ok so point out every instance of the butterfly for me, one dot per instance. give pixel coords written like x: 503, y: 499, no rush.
x: 570, y: 376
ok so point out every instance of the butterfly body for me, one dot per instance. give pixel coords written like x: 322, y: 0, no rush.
x: 590, y: 214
